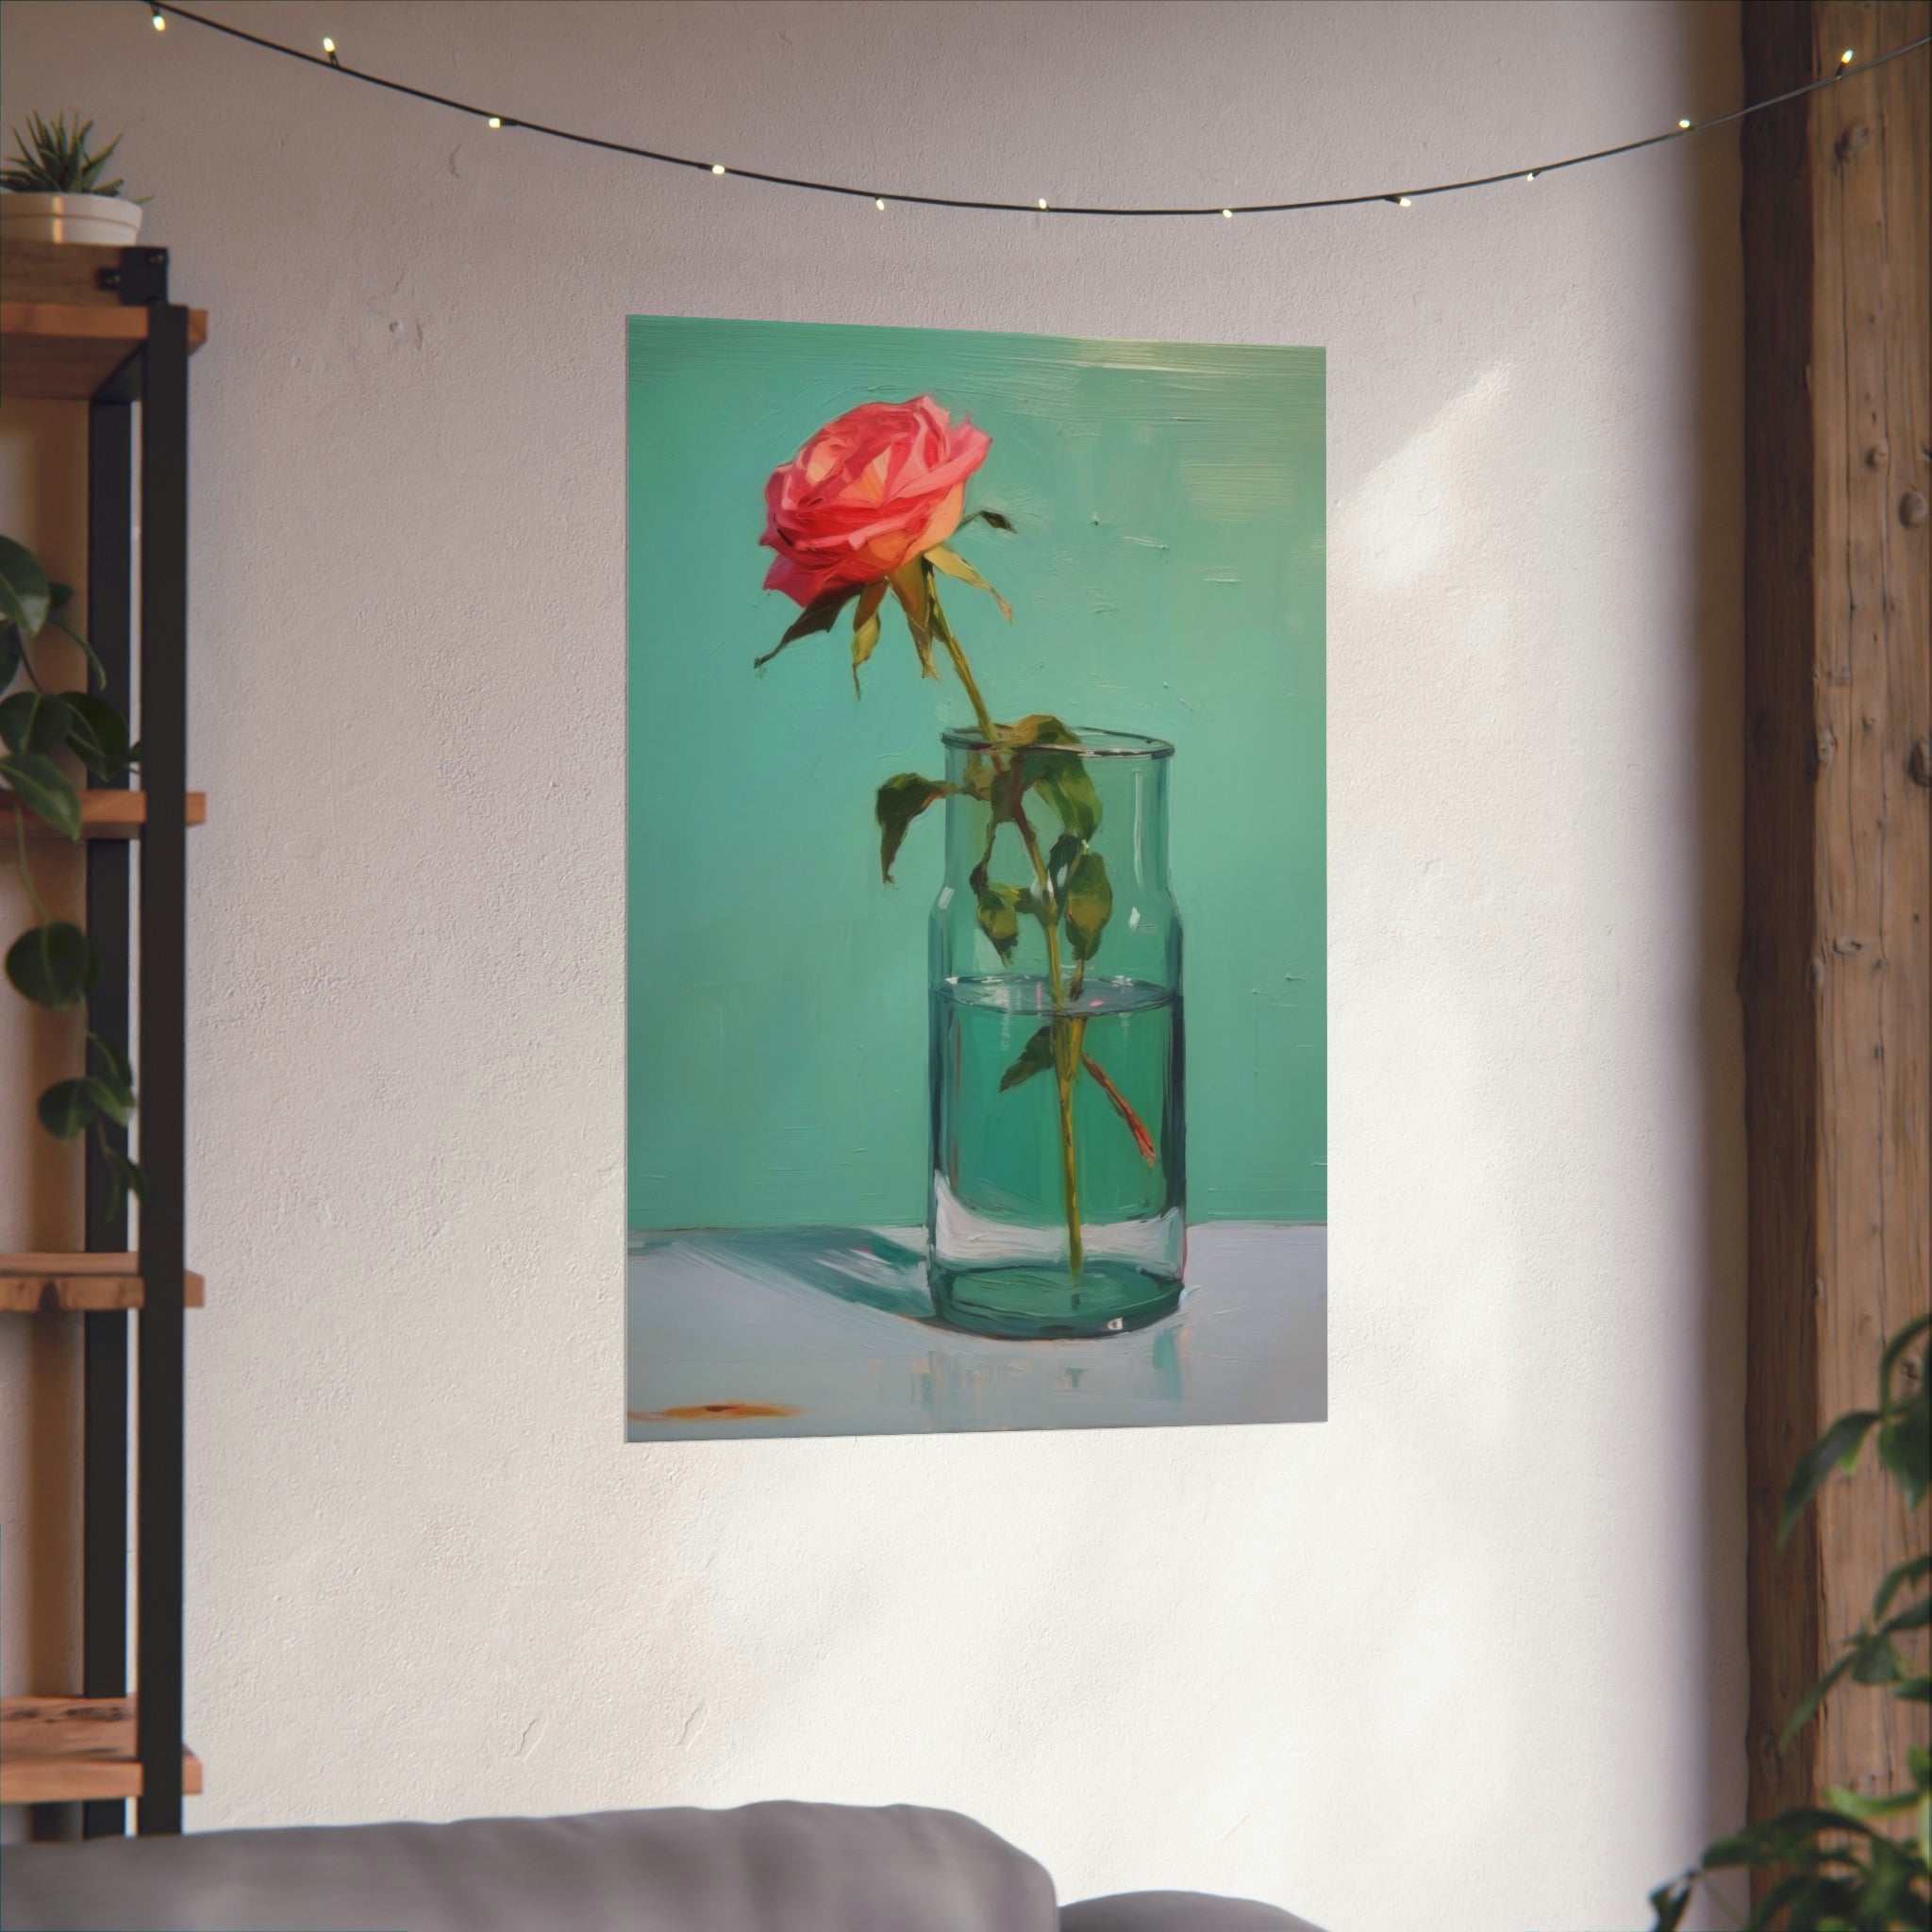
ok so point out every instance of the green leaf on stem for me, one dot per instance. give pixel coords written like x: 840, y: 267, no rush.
x: 1875, y: 1662
x: 30, y: 721
x: 1854, y: 1805
x: 998, y: 913
x: 1059, y: 860
x: 1037, y: 727
x: 979, y: 778
x: 1808, y: 1705
x: 1670, y: 1902
x: 865, y: 628
x: 127, y: 1177
x: 1089, y: 904
x: 1837, y: 1448
x: 9, y: 653
x: 1905, y: 1445
x: 26, y: 596
x: 67, y: 1108
x: 822, y: 613
x: 42, y: 786
x: 1893, y: 1350
x: 117, y: 1072
x: 1895, y: 1580
x: 53, y: 965
x: 98, y: 735
x: 956, y: 566
x: 901, y: 799
x: 1036, y: 1057
x: 1062, y: 779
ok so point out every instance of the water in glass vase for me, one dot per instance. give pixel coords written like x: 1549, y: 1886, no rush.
x: 1001, y: 1254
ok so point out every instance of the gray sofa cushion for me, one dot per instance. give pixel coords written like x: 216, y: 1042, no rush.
x: 1177, y: 1911
x: 766, y: 1868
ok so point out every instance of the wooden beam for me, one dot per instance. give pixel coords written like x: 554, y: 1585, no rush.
x: 1836, y: 971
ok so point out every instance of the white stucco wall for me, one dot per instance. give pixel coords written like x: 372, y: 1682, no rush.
x: 1468, y: 1657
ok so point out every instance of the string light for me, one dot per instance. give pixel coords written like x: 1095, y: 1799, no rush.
x: 158, y: 8
x: 160, y: 20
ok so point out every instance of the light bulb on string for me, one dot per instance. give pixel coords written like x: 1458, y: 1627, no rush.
x: 496, y: 121
x: 717, y: 167
x: 328, y: 47
x: 1845, y: 60
x: 1531, y: 175
x: 1683, y: 124
x: 160, y: 20
x: 1228, y: 214
x: 1403, y: 201
x: 879, y: 201
x: 1042, y: 207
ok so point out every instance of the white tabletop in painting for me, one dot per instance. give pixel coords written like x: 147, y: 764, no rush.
x: 832, y: 1331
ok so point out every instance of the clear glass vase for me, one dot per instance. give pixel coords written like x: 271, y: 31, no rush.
x: 1057, y: 1202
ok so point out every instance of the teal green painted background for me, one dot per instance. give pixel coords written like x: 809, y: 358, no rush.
x: 1166, y: 576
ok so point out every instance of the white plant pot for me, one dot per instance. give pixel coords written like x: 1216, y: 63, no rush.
x: 105, y: 220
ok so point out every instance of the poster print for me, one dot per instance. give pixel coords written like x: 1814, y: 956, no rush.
x: 977, y: 896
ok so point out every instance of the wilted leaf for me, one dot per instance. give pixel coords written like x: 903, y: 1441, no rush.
x: 1062, y: 779
x: 901, y: 799
x: 865, y: 628
x: 53, y: 965
x: 956, y: 566
x: 1038, y: 727
x: 978, y: 776
x: 987, y: 516
x: 32, y: 722
x: 26, y: 596
x: 913, y: 590
x: 1036, y: 1057
x: 1089, y: 904
x: 822, y: 613
x: 1837, y: 1448
x: 998, y: 913
x: 42, y: 786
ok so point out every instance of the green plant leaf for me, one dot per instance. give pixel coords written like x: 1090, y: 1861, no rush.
x: 865, y: 628
x: 1905, y: 1445
x: 998, y: 913
x: 25, y: 594
x: 1893, y: 1350
x: 1062, y: 779
x: 1670, y: 1902
x: 53, y: 965
x: 1875, y: 1662
x: 822, y: 613
x: 1066, y: 848
x: 68, y: 1108
x: 1036, y: 1057
x: 42, y: 786
x: 1895, y: 1580
x: 1837, y: 1448
x: 116, y: 1070
x: 9, y: 653
x: 956, y: 566
x: 128, y: 1179
x: 1789, y: 1838
x: 1886, y: 1805
x: 900, y: 800
x: 98, y: 735
x: 1808, y: 1705
x: 30, y: 721
x: 1089, y: 904
x: 1913, y: 1690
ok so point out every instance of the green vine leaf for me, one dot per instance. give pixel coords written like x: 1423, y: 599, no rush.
x: 1837, y: 1448
x: 98, y: 735
x: 32, y: 722
x: 26, y: 596
x: 822, y: 613
x: 69, y: 1107
x: 901, y: 799
x: 42, y: 786
x: 1089, y: 904
x: 127, y: 1177
x: 956, y: 566
x: 53, y: 965
x: 1036, y: 1057
x: 9, y: 653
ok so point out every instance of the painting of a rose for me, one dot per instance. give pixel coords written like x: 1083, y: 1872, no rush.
x: 943, y: 1140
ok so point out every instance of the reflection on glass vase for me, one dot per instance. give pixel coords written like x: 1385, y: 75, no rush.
x: 1057, y: 1202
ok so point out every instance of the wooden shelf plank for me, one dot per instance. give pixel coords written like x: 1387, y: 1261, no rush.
x: 64, y: 350
x: 103, y: 815
x: 57, y: 1750
x: 80, y: 1284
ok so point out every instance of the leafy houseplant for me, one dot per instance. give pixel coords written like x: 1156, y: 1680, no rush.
x: 1841, y: 1872
x: 53, y: 190
x: 54, y: 963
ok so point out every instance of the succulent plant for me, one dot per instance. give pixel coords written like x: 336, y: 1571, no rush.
x: 56, y: 159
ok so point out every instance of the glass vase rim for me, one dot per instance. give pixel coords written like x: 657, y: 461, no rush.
x: 1096, y: 742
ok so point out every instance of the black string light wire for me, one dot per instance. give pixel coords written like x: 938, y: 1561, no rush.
x: 162, y: 11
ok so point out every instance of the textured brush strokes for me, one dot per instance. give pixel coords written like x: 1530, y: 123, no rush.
x: 1171, y: 581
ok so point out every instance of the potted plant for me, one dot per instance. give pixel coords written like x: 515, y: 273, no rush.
x: 54, y: 191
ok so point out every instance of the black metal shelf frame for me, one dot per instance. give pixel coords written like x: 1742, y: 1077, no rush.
x: 156, y: 377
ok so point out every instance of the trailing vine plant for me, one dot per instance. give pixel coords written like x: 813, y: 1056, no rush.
x: 54, y: 962
x: 1842, y: 1869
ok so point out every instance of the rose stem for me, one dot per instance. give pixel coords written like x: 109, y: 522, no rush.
x: 1068, y: 1036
